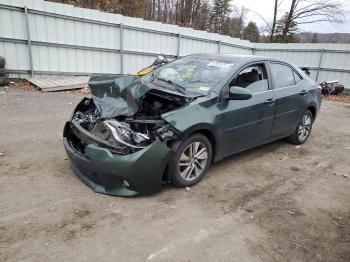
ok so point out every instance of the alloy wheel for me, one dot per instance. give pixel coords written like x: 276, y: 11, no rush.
x: 304, y: 127
x: 193, y: 161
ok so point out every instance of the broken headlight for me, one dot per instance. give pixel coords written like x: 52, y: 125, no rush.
x: 123, y: 134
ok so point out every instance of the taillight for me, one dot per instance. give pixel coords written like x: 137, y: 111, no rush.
x: 319, y: 88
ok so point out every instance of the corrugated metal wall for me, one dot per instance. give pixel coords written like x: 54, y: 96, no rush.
x: 70, y: 40
x: 328, y: 61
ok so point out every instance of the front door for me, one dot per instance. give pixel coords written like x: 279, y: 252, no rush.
x: 247, y: 123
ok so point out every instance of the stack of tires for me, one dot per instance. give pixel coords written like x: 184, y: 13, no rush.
x: 4, y: 76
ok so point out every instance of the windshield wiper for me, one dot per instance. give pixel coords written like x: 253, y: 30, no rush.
x: 179, y: 88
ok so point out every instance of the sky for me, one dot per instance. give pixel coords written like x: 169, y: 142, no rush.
x: 265, y: 9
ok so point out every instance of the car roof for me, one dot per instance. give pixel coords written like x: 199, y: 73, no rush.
x: 234, y: 58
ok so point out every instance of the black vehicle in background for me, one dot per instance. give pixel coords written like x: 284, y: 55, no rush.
x: 331, y: 88
x: 328, y: 87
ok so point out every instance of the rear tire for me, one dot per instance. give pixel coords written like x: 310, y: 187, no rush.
x: 4, y: 80
x: 2, y: 62
x: 191, y: 160
x: 3, y: 72
x: 303, y: 129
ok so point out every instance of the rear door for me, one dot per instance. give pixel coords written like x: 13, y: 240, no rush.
x: 291, y: 97
x: 247, y: 123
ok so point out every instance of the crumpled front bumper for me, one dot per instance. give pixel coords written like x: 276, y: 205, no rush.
x: 120, y: 175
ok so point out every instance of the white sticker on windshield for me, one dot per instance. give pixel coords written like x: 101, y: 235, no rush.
x: 204, y: 88
x: 218, y: 64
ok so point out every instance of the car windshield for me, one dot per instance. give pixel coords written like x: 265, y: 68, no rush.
x: 191, y: 74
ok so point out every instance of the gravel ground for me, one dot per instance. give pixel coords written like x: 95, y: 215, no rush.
x: 278, y: 202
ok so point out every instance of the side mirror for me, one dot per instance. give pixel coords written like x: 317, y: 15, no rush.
x: 239, y: 93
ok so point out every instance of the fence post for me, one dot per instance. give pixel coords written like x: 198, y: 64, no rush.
x: 319, y: 64
x: 121, y: 49
x: 254, y: 50
x: 219, y: 46
x: 29, y: 42
x: 178, y: 45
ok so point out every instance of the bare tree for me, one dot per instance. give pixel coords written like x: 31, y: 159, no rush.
x: 273, y: 27
x: 312, y: 11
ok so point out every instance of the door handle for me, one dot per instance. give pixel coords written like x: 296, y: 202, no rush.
x: 270, y: 101
x: 303, y: 92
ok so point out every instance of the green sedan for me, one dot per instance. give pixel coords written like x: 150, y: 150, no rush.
x: 135, y: 134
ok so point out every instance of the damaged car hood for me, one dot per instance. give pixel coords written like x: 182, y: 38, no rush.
x: 120, y: 95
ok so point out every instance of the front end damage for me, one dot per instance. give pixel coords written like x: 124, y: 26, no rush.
x: 117, y: 141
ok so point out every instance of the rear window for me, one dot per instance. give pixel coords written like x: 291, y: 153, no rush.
x: 282, y: 75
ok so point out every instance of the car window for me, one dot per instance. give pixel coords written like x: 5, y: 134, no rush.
x: 283, y: 75
x: 297, y: 77
x: 253, y: 78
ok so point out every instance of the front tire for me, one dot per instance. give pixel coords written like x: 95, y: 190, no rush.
x: 303, y: 130
x: 191, y: 161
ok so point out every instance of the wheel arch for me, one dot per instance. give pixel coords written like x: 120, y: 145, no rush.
x: 205, y: 129
x: 313, y: 109
x: 209, y: 132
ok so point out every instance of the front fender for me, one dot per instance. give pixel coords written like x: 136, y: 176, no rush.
x: 197, y: 116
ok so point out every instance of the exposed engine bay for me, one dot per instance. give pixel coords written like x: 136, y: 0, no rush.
x: 126, y: 134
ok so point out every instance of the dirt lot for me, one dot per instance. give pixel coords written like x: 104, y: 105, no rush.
x: 278, y: 202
